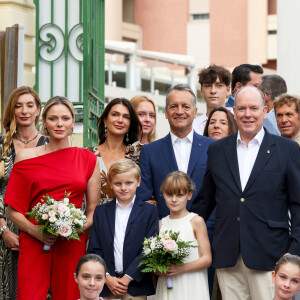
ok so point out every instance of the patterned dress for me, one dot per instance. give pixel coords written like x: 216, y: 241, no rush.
x: 132, y: 152
x: 8, y: 258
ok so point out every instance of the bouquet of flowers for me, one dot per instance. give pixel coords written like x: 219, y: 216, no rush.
x: 161, y: 251
x: 59, y: 218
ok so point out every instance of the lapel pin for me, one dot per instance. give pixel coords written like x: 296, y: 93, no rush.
x: 199, y: 144
x: 268, y: 151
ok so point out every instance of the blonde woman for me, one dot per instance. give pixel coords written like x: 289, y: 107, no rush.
x: 21, y: 116
x: 146, y: 112
x: 51, y: 169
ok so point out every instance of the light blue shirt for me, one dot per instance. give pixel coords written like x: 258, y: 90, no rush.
x: 270, y: 123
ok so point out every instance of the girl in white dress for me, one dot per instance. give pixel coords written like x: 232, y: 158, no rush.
x: 190, y: 279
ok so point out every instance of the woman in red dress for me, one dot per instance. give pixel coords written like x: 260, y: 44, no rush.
x: 53, y: 168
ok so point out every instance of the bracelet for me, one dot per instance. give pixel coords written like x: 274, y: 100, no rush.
x: 2, y: 229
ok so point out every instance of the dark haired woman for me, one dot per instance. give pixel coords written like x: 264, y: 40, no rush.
x: 220, y: 123
x: 118, y: 129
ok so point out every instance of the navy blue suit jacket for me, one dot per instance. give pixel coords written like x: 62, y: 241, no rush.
x: 157, y: 160
x: 142, y: 222
x: 253, y: 221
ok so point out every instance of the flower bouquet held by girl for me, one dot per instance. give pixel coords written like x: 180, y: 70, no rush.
x: 59, y: 218
x: 162, y: 251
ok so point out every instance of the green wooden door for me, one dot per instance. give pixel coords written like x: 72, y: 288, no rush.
x: 70, y: 57
x: 93, y: 68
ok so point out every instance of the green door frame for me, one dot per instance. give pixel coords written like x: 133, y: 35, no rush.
x: 91, y: 43
x: 93, y: 68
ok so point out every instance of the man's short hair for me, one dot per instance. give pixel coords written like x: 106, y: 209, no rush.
x: 273, y: 85
x: 262, y: 96
x: 122, y: 166
x: 210, y: 75
x: 241, y: 74
x: 181, y: 87
x: 287, y: 99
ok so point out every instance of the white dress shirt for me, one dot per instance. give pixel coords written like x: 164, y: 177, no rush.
x: 121, y: 220
x: 200, y: 122
x: 182, y: 149
x: 247, y: 155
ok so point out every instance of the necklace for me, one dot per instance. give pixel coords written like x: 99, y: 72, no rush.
x: 26, y: 142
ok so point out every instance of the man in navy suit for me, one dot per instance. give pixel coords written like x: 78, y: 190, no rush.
x: 182, y: 149
x: 253, y: 180
x: 118, y: 232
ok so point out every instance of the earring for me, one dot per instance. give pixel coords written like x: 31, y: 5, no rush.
x: 127, y: 137
x: 105, y: 131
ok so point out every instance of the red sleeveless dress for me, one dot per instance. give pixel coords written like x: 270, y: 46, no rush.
x: 53, y: 173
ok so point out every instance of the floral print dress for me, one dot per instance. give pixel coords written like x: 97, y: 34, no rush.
x: 132, y: 152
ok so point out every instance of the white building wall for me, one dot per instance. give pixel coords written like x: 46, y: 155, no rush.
x: 288, y: 61
x: 198, y: 39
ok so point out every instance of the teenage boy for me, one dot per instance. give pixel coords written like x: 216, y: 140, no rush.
x: 215, y: 87
x: 118, y: 232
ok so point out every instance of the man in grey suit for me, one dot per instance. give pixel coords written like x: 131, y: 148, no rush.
x: 272, y: 86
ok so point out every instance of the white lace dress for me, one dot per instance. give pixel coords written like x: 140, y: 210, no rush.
x: 192, y: 285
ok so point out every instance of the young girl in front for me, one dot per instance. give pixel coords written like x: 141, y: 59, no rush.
x: 90, y: 276
x: 190, y: 279
x: 286, y: 277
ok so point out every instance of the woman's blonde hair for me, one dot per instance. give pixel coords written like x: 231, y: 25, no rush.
x: 9, y: 119
x: 178, y: 183
x: 135, y: 102
x: 53, y: 101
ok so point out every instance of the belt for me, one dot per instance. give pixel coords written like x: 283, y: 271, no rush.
x: 119, y: 274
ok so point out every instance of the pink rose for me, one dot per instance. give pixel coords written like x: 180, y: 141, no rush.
x: 52, y: 219
x: 65, y: 230
x: 44, y: 216
x: 170, y: 245
x: 51, y: 213
x: 61, y: 207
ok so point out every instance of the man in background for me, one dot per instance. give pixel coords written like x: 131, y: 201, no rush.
x: 242, y: 75
x: 287, y: 110
x: 272, y: 86
x: 215, y: 86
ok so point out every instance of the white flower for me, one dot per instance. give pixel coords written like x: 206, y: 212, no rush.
x: 76, y: 221
x: 146, y: 251
x: 152, y: 245
x: 66, y: 201
x: 52, y: 219
x: 44, y: 216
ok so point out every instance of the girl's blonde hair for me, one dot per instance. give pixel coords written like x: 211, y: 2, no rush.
x: 9, y: 118
x: 292, y: 259
x: 53, y: 101
x: 178, y: 183
x: 135, y: 102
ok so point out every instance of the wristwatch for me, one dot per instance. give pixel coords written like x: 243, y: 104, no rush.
x: 2, y: 229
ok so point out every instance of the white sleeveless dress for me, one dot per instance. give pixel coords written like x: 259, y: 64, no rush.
x: 192, y: 285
